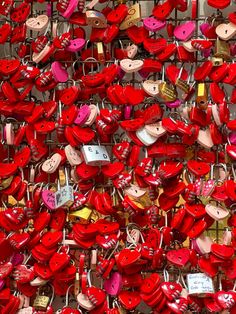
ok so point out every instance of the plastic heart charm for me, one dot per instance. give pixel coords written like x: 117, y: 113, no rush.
x: 185, y: 31
x: 130, y: 66
x: 113, y: 285
x: 38, y: 23
x: 152, y: 24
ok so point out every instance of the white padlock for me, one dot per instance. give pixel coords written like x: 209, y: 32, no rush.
x: 146, y: 138
x: 64, y: 195
x: 95, y: 155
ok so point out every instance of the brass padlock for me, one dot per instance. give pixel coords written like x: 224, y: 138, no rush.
x: 202, y: 96
x: 101, y: 55
x: 83, y: 214
x: 133, y: 17
x: 77, y: 284
x: 222, y: 49
x: 41, y: 302
x: 182, y: 84
x: 167, y: 92
x: 5, y: 183
x: 217, y: 61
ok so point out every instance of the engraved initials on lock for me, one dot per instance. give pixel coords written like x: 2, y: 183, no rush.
x: 95, y: 155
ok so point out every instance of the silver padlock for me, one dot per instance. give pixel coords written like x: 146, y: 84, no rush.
x: 64, y: 195
x: 95, y: 155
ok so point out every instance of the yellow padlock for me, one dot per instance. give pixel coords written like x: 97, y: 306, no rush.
x: 83, y: 214
x: 202, y: 96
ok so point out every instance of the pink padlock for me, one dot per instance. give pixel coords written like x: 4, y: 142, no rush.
x: 70, y: 9
x: 59, y: 72
x: 127, y: 112
x: 232, y: 138
x: 76, y: 45
x: 113, y: 285
x: 174, y: 104
x: 185, y: 31
x: 152, y: 24
x: 83, y: 115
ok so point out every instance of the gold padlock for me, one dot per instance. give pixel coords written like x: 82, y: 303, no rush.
x: 41, y: 302
x: 222, y: 49
x: 217, y: 61
x: 5, y: 183
x: 202, y: 96
x: 101, y: 55
x: 182, y: 84
x: 167, y: 92
x: 83, y: 214
x: 77, y: 284
x: 133, y: 17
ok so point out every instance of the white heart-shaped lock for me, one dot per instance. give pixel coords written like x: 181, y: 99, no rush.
x: 135, y: 191
x: 38, y: 23
x: 73, y: 155
x: 155, y: 129
x: 151, y: 87
x: 216, y: 212
x: 84, y: 302
x: 145, y: 137
x: 188, y: 46
x: 204, y: 138
x: 50, y: 165
x: 204, y: 244
x: 131, y: 66
x: 132, y: 51
x: 93, y: 115
x: 9, y: 133
x: 226, y: 31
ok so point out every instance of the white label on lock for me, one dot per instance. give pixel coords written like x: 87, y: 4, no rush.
x: 199, y: 283
x: 95, y: 155
x: 64, y: 196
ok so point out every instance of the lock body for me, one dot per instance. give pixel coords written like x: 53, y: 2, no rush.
x: 95, y: 155
x: 201, y: 98
x: 41, y: 302
x: 167, y: 92
x: 64, y: 196
x: 133, y: 17
x: 222, y: 49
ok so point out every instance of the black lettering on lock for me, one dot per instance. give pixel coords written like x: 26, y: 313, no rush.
x: 104, y: 156
x: 97, y: 152
x: 90, y: 149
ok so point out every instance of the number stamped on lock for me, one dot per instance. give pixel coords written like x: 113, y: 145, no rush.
x: 199, y: 283
x: 95, y: 155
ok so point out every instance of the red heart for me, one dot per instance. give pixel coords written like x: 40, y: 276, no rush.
x: 225, y: 299
x: 96, y: 296
x: 69, y: 95
x: 51, y: 239
x: 69, y: 115
x: 166, y: 53
x: 218, y: 73
x: 196, y: 210
x: 83, y: 135
x: 154, y: 46
x: 132, y: 125
x: 134, y: 96
x: 178, y: 257
x: 162, y: 11
x: 150, y: 284
x: 43, y: 271
x: 88, y: 231
x: 49, y: 108
x: 137, y: 34
x: 59, y: 261
x: 111, y: 33
x: 22, y: 274
x: 203, y: 71
x: 201, y: 44
x: 171, y: 290
x: 121, y: 150
x: 41, y: 221
x: 232, y: 17
x: 5, y: 270
x: 173, y: 72
x: 198, y: 168
x: 197, y: 229
x: 129, y: 300
x: 58, y: 219
x: 118, y: 14
x: 179, y: 305
x: 38, y: 149
x: 19, y: 240
x: 166, y: 203
x: 127, y: 257
x: 152, y: 114
x: 87, y: 172
x: 222, y: 251
x: 8, y: 66
x: 113, y: 169
x: 5, y: 32
x: 19, y: 14
x: 207, y: 267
